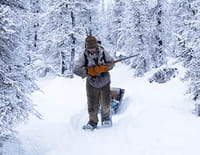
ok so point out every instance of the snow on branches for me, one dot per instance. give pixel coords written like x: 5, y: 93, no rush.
x: 15, y: 80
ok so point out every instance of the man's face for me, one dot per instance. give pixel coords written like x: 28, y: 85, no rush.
x: 92, y: 50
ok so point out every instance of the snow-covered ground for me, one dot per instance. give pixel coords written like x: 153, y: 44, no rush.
x: 155, y: 119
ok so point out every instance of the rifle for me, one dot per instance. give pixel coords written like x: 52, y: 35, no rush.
x: 119, y: 60
x: 104, y: 68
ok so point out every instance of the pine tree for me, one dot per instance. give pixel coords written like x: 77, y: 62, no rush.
x: 64, y: 29
x: 141, y: 33
x: 183, y: 17
x: 183, y: 39
x: 15, y: 82
x: 191, y: 48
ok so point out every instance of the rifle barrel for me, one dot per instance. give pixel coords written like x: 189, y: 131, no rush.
x: 128, y: 57
x: 123, y: 59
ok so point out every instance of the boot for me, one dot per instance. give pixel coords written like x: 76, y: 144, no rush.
x: 91, y: 125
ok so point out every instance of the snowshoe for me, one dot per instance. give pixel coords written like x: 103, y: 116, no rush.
x: 90, y: 126
x: 106, y: 122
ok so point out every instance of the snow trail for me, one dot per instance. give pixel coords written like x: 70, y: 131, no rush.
x: 156, y: 119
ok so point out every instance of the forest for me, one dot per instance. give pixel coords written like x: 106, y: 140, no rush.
x: 42, y: 38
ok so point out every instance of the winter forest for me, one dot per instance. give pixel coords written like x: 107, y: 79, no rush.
x: 43, y: 38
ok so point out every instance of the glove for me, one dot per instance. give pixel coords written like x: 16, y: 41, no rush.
x: 101, y: 68
x: 91, y: 71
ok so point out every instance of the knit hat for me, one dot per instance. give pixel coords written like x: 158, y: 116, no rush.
x: 91, y: 42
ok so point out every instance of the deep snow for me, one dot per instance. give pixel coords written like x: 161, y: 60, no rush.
x: 155, y: 119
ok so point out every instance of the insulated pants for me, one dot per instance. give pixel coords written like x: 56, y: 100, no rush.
x: 97, y: 97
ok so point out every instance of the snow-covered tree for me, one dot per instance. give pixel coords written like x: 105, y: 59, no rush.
x: 15, y: 82
x: 141, y: 32
x: 61, y: 34
x: 190, y: 45
x: 182, y: 37
x: 182, y: 17
x: 116, y: 32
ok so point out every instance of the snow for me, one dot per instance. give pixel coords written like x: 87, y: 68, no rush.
x: 155, y: 119
x: 108, y: 3
x: 152, y: 3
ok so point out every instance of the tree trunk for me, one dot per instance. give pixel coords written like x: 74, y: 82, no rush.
x: 73, y: 44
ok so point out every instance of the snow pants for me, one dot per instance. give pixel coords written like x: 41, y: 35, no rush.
x: 97, y: 97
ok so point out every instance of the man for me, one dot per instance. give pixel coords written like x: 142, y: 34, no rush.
x: 92, y: 65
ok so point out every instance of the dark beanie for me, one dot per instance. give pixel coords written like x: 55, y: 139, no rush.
x: 91, y: 42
